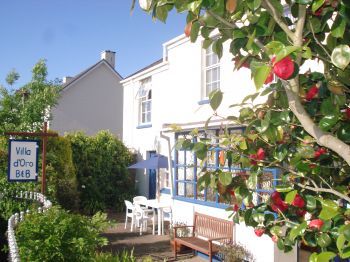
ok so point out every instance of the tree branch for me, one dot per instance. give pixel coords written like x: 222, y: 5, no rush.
x: 318, y: 42
x: 322, y: 138
x: 233, y: 26
x: 278, y: 19
x: 325, y: 190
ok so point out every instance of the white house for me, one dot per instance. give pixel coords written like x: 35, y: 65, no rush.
x: 91, y: 101
x: 174, y: 90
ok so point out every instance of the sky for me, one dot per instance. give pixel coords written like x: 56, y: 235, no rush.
x: 71, y: 34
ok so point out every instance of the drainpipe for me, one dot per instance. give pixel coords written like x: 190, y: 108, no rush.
x: 170, y: 164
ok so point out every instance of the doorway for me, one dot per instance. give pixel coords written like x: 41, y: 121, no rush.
x: 152, y: 178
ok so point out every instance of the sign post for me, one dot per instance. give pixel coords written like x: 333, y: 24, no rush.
x: 22, y: 148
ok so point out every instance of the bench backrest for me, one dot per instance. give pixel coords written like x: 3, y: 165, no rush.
x: 211, y: 227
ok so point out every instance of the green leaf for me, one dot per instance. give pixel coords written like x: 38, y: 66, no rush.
x: 215, y: 99
x: 329, y: 209
x: 346, y: 231
x: 259, y: 218
x: 193, y: 6
x: 317, y: 4
x: 297, y: 231
x: 325, y: 256
x: 217, y: 48
x: 252, y: 181
x: 284, y: 188
x: 340, y: 241
x: 311, y: 203
x: 303, y: 2
x: 253, y: 4
x: 328, y: 121
x: 274, y: 47
x: 285, y: 52
x: 225, y: 178
x: 162, y: 13
x: 194, y: 31
x: 344, y: 132
x: 338, y: 27
x: 260, y: 75
x: 276, y: 230
x: 341, y: 56
x: 327, y: 107
x: 313, y: 257
x: 324, y: 240
x: 290, y: 196
x: 207, y: 43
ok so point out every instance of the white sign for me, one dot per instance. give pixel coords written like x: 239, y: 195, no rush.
x: 23, y: 160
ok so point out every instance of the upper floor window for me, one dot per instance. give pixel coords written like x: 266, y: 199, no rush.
x: 145, y: 101
x: 211, y: 72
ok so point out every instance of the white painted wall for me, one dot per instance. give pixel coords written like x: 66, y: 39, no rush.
x: 90, y: 104
x: 176, y: 91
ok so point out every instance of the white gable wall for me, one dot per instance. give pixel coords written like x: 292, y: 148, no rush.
x: 92, y: 103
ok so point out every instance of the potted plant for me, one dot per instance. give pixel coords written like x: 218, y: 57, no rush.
x: 181, y: 232
x: 235, y: 253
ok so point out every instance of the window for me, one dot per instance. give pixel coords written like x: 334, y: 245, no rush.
x: 211, y: 72
x: 187, y: 171
x: 145, y: 101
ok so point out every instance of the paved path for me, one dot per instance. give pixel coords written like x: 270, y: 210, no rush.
x: 158, y: 247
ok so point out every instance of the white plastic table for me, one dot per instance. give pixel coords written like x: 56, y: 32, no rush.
x: 159, y: 205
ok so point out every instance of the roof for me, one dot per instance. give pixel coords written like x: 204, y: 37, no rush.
x: 145, y: 68
x: 80, y: 75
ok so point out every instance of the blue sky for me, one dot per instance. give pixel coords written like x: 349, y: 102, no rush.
x: 70, y: 35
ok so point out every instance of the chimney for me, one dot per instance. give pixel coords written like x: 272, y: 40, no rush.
x: 109, y: 56
x: 67, y: 79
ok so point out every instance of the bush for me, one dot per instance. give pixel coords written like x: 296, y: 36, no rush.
x: 61, y: 175
x: 101, y: 163
x: 57, y: 235
x: 236, y: 253
x: 124, y: 256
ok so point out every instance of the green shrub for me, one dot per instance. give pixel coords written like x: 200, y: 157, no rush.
x: 124, y: 256
x: 61, y: 175
x: 101, y: 164
x: 57, y: 235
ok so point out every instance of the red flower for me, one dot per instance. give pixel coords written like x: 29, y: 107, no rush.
x: 253, y: 158
x: 260, y: 155
x: 311, y: 93
x: 316, y: 224
x: 269, y: 78
x: 298, y: 201
x: 300, y: 212
x: 347, y: 112
x: 232, y: 192
x: 284, y: 68
x: 276, y: 195
x: 274, y: 238
x: 259, y: 231
x: 235, y: 208
x: 321, y: 151
x: 277, y: 203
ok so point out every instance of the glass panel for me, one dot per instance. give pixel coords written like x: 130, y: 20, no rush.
x: 180, y: 173
x: 266, y: 181
x: 181, y: 157
x: 189, y: 190
x: 208, y: 76
x: 211, y: 195
x: 200, y: 194
x: 210, y: 159
x: 181, y: 189
x: 190, y: 173
x: 189, y: 158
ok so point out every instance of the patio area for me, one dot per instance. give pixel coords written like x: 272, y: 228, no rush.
x: 147, y: 245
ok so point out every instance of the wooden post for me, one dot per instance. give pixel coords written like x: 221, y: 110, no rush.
x: 44, y: 135
x: 43, y: 164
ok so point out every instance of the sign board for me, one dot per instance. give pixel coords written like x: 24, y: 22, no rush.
x: 23, y: 160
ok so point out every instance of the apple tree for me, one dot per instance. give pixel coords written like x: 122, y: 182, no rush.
x: 303, y: 128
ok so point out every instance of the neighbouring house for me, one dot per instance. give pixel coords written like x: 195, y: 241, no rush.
x: 91, y: 101
x: 174, y: 90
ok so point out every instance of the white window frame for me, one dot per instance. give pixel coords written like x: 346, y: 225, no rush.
x: 211, y: 66
x: 145, y: 101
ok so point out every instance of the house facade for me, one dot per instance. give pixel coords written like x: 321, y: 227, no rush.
x: 174, y: 90
x: 91, y: 101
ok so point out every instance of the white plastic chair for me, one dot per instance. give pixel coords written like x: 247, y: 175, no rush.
x: 141, y: 201
x: 167, y: 216
x: 143, y: 216
x: 129, y: 212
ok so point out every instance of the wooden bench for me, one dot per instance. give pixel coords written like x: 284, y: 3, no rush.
x: 205, y: 230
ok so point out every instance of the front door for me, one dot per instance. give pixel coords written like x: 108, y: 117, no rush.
x: 152, y: 179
